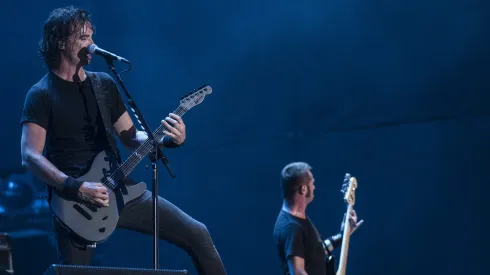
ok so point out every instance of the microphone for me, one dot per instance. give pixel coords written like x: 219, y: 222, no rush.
x: 94, y: 49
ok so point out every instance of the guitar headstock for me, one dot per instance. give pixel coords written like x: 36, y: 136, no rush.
x: 349, y: 189
x: 195, y: 97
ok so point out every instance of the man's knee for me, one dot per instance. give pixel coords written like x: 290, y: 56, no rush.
x: 201, y: 232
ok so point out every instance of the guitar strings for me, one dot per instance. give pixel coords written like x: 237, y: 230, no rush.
x: 119, y: 173
x: 146, y: 145
x: 157, y: 134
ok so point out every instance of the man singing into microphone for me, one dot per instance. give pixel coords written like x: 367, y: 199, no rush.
x: 61, y: 112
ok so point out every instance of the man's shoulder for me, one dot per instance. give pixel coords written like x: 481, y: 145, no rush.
x: 41, y: 85
x: 99, y: 75
x: 288, y: 218
x: 285, y: 225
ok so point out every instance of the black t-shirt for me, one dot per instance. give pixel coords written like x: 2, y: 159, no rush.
x: 294, y: 236
x: 69, y: 113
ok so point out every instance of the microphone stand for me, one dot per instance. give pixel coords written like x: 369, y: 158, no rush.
x: 158, y: 154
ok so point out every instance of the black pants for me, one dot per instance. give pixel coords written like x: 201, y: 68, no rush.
x: 175, y: 227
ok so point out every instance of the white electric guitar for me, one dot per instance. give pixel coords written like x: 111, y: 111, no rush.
x: 349, y: 189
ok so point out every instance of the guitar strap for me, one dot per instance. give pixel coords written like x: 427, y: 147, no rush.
x: 100, y: 83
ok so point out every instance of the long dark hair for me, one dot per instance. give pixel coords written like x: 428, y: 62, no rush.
x: 61, y: 23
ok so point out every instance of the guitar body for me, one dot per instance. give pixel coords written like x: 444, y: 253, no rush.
x: 92, y: 223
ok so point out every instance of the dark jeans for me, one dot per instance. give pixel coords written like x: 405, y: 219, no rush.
x: 175, y: 227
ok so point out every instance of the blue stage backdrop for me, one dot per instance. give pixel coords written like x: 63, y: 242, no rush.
x: 394, y: 92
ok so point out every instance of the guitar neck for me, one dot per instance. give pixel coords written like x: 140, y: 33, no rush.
x: 142, y: 151
x: 345, y: 243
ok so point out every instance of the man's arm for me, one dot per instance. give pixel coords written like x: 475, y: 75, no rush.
x: 336, y: 240
x: 132, y: 138
x: 331, y: 243
x: 296, y: 266
x: 34, y: 122
x: 294, y: 252
x: 31, y: 147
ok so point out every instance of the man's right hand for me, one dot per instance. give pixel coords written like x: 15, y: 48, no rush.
x: 94, y: 193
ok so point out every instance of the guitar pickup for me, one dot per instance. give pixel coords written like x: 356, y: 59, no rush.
x: 91, y: 207
x: 82, y: 211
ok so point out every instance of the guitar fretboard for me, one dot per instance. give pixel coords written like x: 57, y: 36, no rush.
x: 141, y: 152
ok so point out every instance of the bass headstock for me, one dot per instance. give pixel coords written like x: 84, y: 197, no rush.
x: 349, y: 189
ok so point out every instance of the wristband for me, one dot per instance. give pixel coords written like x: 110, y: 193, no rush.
x: 336, y: 240
x: 71, y: 187
x: 169, y: 143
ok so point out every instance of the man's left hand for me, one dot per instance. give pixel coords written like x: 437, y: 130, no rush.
x: 353, y: 222
x: 177, y: 131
